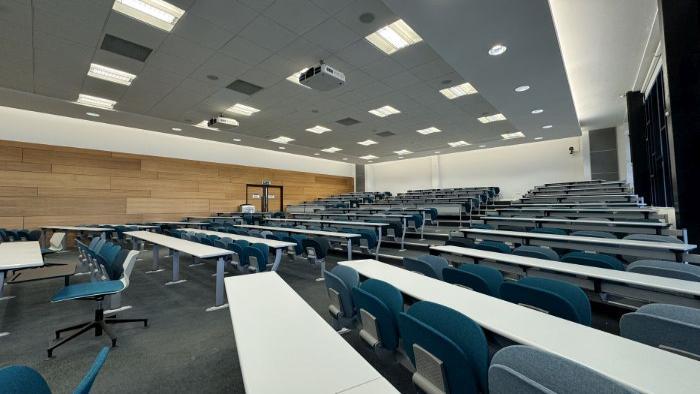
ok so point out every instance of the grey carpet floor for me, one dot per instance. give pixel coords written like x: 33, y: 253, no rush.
x: 185, y: 348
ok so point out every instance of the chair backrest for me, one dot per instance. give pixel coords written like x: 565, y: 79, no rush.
x: 451, y: 337
x: 527, y: 370
x: 594, y: 260
x: 265, y: 233
x: 34, y: 235
x: 259, y: 251
x: 668, y: 269
x: 460, y: 241
x: 241, y: 242
x: 557, y: 298
x: 343, y: 279
x: 89, y: 378
x: 669, y: 327
x: 421, y: 267
x: 436, y: 262
x: 654, y: 238
x: 485, y: 280
x: 219, y: 244
x: 319, y: 244
x: 548, y: 230
x: 298, y: 249
x: 384, y: 302
x: 594, y: 234
x: 482, y: 226
x: 493, y: 246
x: 19, y: 379
x: 538, y: 252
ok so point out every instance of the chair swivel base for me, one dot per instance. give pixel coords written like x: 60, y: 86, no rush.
x: 99, y: 324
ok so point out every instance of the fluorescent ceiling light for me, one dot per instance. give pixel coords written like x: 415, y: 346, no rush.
x: 241, y: 109
x: 205, y: 125
x: 510, y: 136
x: 497, y: 50
x: 523, y: 88
x: 332, y: 149
x: 367, y: 142
x: 345, y: 158
x: 294, y: 78
x: 482, y: 146
x: 368, y: 157
x: 437, y: 152
x: 281, y: 147
x: 429, y: 130
x: 317, y: 154
x: 403, y: 152
x: 549, y: 126
x: 237, y: 139
x: 393, y: 37
x: 93, y: 114
x: 157, y: 13
x: 110, y: 74
x: 176, y: 129
x: 384, y: 111
x: 318, y: 129
x: 537, y: 111
x: 458, y: 143
x: 491, y: 118
x: 97, y: 102
x: 458, y: 91
x: 282, y: 139
x: 538, y: 138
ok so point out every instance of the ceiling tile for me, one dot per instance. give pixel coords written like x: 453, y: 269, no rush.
x: 267, y: 33
x: 245, y: 51
x: 258, y: 5
x: 360, y: 53
x: 183, y: 48
x: 433, y: 70
x: 331, y: 35
x: 350, y: 16
x: 132, y: 30
x: 69, y: 27
x: 173, y: 64
x: 230, y: 15
x: 400, y: 80
x: 415, y: 55
x: 202, y: 32
x: 383, y: 68
x: 222, y: 66
x: 296, y: 15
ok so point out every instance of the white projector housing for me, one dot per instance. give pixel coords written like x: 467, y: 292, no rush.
x: 322, y: 77
x: 223, y: 123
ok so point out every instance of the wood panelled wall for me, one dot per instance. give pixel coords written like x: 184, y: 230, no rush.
x: 49, y: 185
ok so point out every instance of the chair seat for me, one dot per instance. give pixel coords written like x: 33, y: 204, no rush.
x: 90, y: 289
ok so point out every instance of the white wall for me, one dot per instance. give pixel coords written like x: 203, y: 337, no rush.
x: 624, y: 158
x: 35, y: 127
x: 515, y: 169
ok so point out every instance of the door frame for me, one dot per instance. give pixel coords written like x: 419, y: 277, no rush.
x: 263, y: 199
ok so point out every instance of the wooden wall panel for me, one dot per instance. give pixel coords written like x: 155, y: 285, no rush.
x: 43, y: 185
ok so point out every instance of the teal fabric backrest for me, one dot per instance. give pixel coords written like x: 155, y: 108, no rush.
x: 384, y: 302
x: 485, y: 280
x: 594, y: 260
x: 558, y: 298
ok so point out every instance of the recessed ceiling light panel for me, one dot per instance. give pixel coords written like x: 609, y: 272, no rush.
x: 403, y: 152
x: 282, y: 139
x: 523, y: 88
x: 384, y: 111
x: 241, y: 109
x: 537, y: 111
x: 458, y: 144
x: 393, y: 37
x: 429, y: 130
x: 97, y: 102
x: 538, y: 138
x: 498, y: 50
x: 367, y: 142
x: 368, y: 157
x: 318, y: 129
x: 332, y: 149
x: 549, y: 126
x: 110, y: 74
x: 491, y: 118
x: 93, y: 114
x: 510, y: 136
x: 157, y: 13
x: 176, y: 129
x: 458, y: 91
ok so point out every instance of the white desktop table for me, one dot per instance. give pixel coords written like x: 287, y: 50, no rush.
x: 278, y: 246
x: 196, y: 224
x: 289, y: 348
x: 404, y: 219
x: 644, y: 249
x: 600, y: 280
x: 78, y: 229
x: 613, y: 226
x: 610, y: 213
x: 17, y: 255
x: 177, y: 245
x: 639, y: 366
x: 563, y: 198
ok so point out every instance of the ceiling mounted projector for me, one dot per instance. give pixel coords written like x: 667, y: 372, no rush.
x: 223, y: 123
x: 322, y: 77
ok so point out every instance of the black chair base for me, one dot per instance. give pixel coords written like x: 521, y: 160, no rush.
x: 99, y: 325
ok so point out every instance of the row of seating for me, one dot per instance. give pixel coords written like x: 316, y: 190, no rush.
x: 446, y: 350
x: 55, y: 243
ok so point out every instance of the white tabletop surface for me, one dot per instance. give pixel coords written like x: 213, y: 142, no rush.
x: 352, y: 214
x: 590, y: 240
x: 78, y: 228
x: 580, y: 195
x: 640, y: 366
x: 214, y: 217
x: 16, y: 255
x: 288, y: 347
x: 630, y: 278
x: 196, y: 223
x: 299, y: 231
x: 328, y: 222
x: 132, y: 225
x: 536, y: 207
x: 192, y: 248
x: 275, y: 244
x: 608, y: 204
x: 610, y: 223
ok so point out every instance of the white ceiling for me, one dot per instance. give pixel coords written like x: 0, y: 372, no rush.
x: 47, y: 47
x: 603, y: 43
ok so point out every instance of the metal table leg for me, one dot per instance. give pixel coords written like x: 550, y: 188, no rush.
x: 176, y: 269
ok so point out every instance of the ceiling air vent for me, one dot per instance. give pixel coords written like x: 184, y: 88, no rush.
x: 125, y: 48
x: 385, y: 134
x: 348, y: 121
x: 244, y: 87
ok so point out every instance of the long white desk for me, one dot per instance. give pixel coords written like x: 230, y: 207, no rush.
x: 15, y: 256
x: 562, y: 198
x: 278, y: 246
x: 579, y: 204
x: 642, y: 367
x: 644, y: 249
x: 602, y: 281
x: 612, y: 226
x: 196, y: 224
x: 78, y: 229
x: 610, y: 213
x: 290, y: 348
x: 442, y: 208
x: 377, y: 226
x: 177, y: 245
